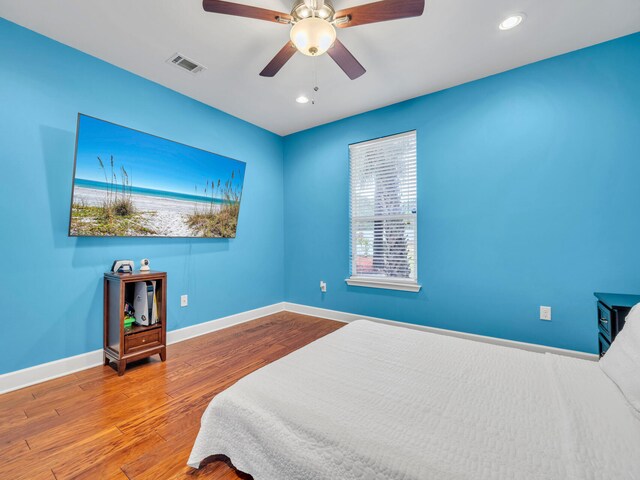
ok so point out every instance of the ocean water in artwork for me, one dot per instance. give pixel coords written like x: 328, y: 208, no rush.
x: 129, y: 183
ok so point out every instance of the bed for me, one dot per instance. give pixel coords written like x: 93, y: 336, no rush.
x: 373, y: 401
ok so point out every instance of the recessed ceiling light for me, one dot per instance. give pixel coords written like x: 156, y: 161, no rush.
x: 512, y: 21
x: 302, y: 99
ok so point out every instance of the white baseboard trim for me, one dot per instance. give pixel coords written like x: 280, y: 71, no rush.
x: 350, y: 317
x: 48, y: 371
x: 65, y: 366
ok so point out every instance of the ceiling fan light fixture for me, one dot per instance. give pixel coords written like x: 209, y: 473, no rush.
x: 302, y: 99
x: 313, y: 36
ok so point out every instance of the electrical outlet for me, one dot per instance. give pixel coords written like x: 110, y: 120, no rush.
x: 323, y: 286
x: 184, y: 300
x: 545, y: 313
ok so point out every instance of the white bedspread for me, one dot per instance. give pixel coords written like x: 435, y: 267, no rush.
x: 373, y: 401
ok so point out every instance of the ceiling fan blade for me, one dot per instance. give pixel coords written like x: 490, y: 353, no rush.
x: 379, y: 12
x: 345, y: 60
x: 229, y: 8
x: 279, y: 60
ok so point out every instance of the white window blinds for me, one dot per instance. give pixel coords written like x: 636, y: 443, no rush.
x: 383, y: 211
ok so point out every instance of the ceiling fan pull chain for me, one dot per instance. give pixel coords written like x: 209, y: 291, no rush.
x: 315, y: 77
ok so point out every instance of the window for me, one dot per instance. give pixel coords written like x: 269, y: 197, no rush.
x: 383, y: 213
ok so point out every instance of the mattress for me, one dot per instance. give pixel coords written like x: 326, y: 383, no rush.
x: 373, y: 401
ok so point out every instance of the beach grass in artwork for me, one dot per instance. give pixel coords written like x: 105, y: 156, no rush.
x: 128, y: 183
x: 212, y: 221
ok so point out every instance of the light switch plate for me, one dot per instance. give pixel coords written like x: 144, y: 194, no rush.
x: 184, y: 300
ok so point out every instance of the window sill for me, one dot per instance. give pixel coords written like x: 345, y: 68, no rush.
x: 383, y: 283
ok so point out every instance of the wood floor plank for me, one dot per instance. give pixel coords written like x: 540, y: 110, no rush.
x: 14, y: 449
x: 85, y: 422
x: 68, y: 448
x: 59, y: 386
x: 119, y: 475
x: 94, y: 424
x: 14, y: 402
x: 166, y: 461
x: 104, y: 460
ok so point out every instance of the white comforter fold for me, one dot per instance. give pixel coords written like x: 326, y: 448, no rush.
x: 372, y: 401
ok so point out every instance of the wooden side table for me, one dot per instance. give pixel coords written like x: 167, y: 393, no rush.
x: 121, y: 345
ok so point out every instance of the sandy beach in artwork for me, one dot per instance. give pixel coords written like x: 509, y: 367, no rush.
x: 163, y: 216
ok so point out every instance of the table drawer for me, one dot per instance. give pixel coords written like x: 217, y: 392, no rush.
x: 142, y: 341
x: 605, y: 321
x: 604, y: 344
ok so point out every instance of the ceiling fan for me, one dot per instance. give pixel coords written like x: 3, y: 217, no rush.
x: 314, y: 25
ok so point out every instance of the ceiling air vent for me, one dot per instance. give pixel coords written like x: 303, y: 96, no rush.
x: 185, y: 63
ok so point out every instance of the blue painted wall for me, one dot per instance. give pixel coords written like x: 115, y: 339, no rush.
x: 529, y: 195
x: 51, y: 285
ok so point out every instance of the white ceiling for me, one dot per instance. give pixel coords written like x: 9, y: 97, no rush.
x: 454, y: 42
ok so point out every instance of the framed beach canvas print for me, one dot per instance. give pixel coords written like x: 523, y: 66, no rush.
x: 131, y: 184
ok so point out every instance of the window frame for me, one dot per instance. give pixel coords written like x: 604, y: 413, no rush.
x: 384, y: 282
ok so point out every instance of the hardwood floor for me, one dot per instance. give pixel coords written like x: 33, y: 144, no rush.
x: 96, y: 425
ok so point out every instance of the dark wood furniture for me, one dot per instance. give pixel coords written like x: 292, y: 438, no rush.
x: 122, y: 346
x: 612, y: 311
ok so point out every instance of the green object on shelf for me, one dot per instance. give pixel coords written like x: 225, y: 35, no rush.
x: 128, y: 321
